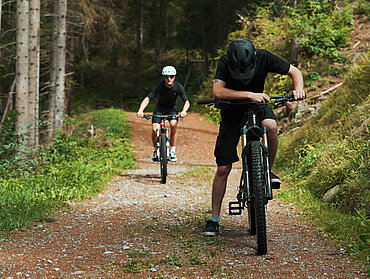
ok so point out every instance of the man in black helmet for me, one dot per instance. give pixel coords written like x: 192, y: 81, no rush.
x: 241, y: 75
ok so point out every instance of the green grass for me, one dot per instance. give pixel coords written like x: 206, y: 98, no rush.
x: 75, y: 167
x: 331, y: 150
x: 201, y: 174
x: 349, y: 231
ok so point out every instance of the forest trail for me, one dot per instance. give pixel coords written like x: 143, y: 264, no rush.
x: 139, y: 228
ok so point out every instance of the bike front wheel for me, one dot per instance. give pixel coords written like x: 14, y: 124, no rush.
x: 250, y: 206
x: 163, y: 158
x: 257, y: 179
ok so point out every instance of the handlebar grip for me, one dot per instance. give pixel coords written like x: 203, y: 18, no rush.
x: 206, y: 102
x: 288, y: 96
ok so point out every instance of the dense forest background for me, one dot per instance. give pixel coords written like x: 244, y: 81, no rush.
x: 115, y: 49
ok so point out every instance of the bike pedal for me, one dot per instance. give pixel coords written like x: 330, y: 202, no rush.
x: 235, y: 208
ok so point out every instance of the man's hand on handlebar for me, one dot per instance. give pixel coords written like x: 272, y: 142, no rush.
x: 299, y: 94
x: 259, y: 98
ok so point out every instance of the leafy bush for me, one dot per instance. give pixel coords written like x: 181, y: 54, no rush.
x: 9, y: 142
x: 266, y: 31
x: 206, y: 93
x: 322, y: 29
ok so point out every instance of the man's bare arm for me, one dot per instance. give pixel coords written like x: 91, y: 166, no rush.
x: 143, y: 105
x: 297, y: 78
x: 221, y: 92
x: 185, y: 108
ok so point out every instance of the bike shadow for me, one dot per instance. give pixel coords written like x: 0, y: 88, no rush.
x: 240, y: 237
x: 181, y: 165
x: 143, y: 178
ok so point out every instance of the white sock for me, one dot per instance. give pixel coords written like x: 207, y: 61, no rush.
x: 173, y: 148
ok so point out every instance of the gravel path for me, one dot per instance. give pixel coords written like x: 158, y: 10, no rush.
x: 139, y: 228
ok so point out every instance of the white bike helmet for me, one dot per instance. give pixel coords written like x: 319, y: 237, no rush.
x: 169, y: 70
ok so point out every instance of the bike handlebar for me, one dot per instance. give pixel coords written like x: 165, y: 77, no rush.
x: 148, y: 116
x: 277, y: 100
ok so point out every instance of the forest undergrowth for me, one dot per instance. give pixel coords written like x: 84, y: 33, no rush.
x: 76, y: 166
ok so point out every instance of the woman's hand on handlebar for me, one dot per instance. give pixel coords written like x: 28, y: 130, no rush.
x: 183, y: 114
x: 299, y: 94
x: 140, y: 114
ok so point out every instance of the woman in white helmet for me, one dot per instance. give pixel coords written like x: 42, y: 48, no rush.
x: 166, y: 92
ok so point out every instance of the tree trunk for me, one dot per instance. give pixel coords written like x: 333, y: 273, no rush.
x: 294, y: 44
x: 52, y: 76
x: 158, y: 7
x: 60, y: 65
x: 139, y: 43
x: 33, y: 72
x: 22, y: 67
x: 85, y: 54
x: 204, y: 39
x: 1, y: 11
x: 8, y: 105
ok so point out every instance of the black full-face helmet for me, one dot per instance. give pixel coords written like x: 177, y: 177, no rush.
x: 241, y: 56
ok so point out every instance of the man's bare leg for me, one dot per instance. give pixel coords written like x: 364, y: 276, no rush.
x: 173, y: 126
x: 155, y: 127
x: 219, y: 188
x: 272, y: 138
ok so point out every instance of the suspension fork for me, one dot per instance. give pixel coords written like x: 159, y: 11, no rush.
x: 266, y: 163
x: 160, y: 131
x: 244, y: 187
x: 164, y: 130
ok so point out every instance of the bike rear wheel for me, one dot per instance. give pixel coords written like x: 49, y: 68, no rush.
x: 163, y: 158
x: 257, y: 177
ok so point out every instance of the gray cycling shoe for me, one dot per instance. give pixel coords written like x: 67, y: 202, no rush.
x: 211, y: 228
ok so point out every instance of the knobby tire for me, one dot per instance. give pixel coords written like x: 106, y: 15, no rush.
x: 257, y: 176
x: 163, y: 158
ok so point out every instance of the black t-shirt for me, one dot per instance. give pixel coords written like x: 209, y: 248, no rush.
x: 167, y: 97
x: 266, y: 63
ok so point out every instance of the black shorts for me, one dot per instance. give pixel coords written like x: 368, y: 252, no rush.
x: 233, y: 119
x: 161, y: 110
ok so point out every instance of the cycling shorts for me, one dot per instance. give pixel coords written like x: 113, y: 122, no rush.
x: 161, y: 110
x: 233, y: 119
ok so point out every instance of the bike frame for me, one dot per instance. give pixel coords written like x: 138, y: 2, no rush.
x: 252, y: 132
x: 163, y: 130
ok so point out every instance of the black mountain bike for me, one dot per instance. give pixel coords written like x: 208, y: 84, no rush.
x: 255, y: 187
x: 163, y: 143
